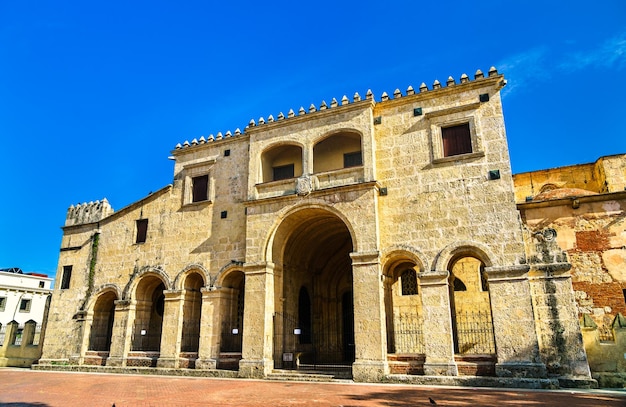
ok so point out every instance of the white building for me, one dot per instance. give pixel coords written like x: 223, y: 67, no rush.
x: 23, y: 296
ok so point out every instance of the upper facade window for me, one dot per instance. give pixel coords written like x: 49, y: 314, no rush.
x: 67, y: 277
x: 142, y: 230
x: 25, y: 305
x: 198, y: 181
x: 282, y: 172
x: 342, y: 150
x: 281, y: 162
x: 456, y: 140
x: 3, y: 303
x: 200, y: 188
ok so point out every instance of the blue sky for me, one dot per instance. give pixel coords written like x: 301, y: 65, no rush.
x: 94, y: 95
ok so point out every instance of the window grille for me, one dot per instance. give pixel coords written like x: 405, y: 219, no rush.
x: 283, y: 172
x: 474, y: 331
x: 605, y: 334
x: 408, y: 280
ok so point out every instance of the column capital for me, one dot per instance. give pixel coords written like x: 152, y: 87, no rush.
x: 433, y: 277
x: 503, y: 273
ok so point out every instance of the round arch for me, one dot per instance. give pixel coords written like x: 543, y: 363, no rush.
x: 131, y: 287
x: 179, y: 281
x: 463, y: 248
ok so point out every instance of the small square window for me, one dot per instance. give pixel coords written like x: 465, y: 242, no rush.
x: 456, y: 140
x: 142, y: 230
x: 283, y: 172
x: 200, y: 188
x: 67, y: 276
x: 42, y: 284
x: 352, y: 159
x: 25, y: 305
x: 3, y: 303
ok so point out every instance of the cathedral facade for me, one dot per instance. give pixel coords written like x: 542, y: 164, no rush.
x: 367, y: 238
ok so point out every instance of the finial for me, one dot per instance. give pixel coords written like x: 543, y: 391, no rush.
x: 369, y: 95
x: 228, y: 134
x: 178, y: 146
x: 194, y: 142
x: 397, y: 94
x: 186, y: 144
x: 301, y: 111
x: 479, y: 74
x: 344, y: 100
x: 410, y: 91
x: 219, y: 136
x: 281, y: 116
x: 202, y: 140
x: 333, y: 103
x: 252, y: 123
x: 261, y: 121
x: 356, y: 97
x: 211, y: 137
x: 323, y: 106
x: 436, y: 84
x: 493, y: 71
x: 423, y: 87
x: 291, y: 113
x: 237, y: 131
x: 450, y: 81
x: 464, y: 78
x: 270, y: 119
x: 384, y: 97
x: 312, y: 108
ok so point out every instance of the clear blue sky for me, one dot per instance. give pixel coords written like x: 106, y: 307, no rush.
x: 94, y: 95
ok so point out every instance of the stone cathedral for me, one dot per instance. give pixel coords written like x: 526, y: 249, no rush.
x: 374, y: 239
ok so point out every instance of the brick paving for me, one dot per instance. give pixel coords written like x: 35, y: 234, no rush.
x: 24, y: 388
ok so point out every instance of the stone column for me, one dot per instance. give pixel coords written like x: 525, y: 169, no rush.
x: 171, y: 331
x: 209, y: 346
x: 370, y: 331
x: 258, y: 316
x: 438, y: 339
x: 122, y: 332
x: 517, y: 346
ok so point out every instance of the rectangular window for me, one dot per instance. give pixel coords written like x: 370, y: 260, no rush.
x: 42, y: 284
x: 456, y: 140
x: 3, y: 303
x: 200, y: 188
x: 142, y: 230
x: 352, y: 159
x: 67, y: 276
x: 25, y: 305
x: 282, y: 172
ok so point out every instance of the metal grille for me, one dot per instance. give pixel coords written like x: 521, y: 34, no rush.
x: 409, y: 337
x: 17, y: 339
x: 3, y: 332
x: 605, y: 334
x: 190, y: 336
x: 231, y: 338
x: 474, y: 331
x: 409, y: 282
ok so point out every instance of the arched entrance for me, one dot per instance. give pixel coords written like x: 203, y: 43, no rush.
x: 314, y: 319
x: 102, y: 325
x: 192, y: 308
x: 149, y: 315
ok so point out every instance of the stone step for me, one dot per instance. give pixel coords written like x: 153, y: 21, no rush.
x: 300, y: 376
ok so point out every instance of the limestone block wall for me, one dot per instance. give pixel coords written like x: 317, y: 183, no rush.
x: 433, y: 201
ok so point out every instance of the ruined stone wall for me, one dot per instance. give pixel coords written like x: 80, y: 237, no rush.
x: 594, y: 237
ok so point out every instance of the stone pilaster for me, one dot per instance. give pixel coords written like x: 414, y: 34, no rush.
x: 370, y: 334
x: 258, y: 316
x: 122, y: 332
x: 438, y: 340
x: 560, y: 339
x: 171, y: 330
x: 209, y: 347
x: 513, y: 322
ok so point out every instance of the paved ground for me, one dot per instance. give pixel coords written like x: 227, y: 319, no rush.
x: 22, y: 387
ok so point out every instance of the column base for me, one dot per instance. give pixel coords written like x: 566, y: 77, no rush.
x: 116, y: 361
x: 521, y: 369
x: 441, y: 369
x: 369, y: 371
x: 206, y: 364
x: 167, y: 363
x: 255, y: 369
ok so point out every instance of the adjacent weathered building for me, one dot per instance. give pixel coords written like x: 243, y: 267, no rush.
x: 377, y: 237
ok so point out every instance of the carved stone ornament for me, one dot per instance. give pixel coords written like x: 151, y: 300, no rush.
x: 549, y: 234
x: 304, y: 185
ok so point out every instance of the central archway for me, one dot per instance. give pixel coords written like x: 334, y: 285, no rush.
x: 314, y: 319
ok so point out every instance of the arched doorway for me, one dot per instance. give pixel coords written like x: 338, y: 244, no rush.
x: 192, y: 308
x: 233, y: 288
x: 102, y: 325
x: 148, y: 315
x: 472, y: 326
x: 314, y: 319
